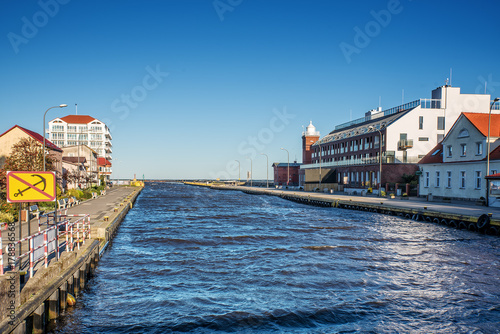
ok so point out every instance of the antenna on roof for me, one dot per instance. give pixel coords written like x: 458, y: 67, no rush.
x: 403, y: 97
x: 450, y: 75
x: 76, y: 109
x: 380, y: 102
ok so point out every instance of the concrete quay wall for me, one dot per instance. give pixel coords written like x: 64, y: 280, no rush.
x: 475, y: 218
x: 44, y: 296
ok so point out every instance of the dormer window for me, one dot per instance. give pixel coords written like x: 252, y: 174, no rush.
x: 464, y: 133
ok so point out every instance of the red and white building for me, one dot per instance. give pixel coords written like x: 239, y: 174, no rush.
x: 74, y: 130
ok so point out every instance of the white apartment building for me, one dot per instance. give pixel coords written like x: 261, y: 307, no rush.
x: 74, y: 130
x: 403, y: 134
x: 456, y: 168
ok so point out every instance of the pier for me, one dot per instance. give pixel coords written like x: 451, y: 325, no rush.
x: 27, y: 307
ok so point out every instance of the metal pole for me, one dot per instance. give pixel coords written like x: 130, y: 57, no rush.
x: 239, y: 170
x: 488, y: 149
x: 288, y: 167
x: 267, y: 170
x: 320, y: 155
x: 251, y: 172
x: 59, y: 106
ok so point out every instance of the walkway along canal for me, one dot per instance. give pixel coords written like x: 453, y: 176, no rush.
x: 27, y: 308
x: 472, y: 217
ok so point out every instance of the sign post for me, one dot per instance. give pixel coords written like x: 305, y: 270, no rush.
x: 24, y: 187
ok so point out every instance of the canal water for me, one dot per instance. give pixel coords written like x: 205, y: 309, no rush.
x: 195, y: 260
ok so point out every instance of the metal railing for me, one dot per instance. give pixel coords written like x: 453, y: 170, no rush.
x: 423, y: 103
x: 360, y: 162
x: 43, y: 243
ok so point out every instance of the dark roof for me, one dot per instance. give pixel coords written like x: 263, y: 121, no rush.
x: 37, y: 137
x: 285, y: 164
x: 75, y: 159
x: 493, y: 176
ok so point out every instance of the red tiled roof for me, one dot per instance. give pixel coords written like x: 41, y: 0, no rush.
x: 35, y: 136
x: 480, y: 121
x: 435, y: 156
x: 103, y: 162
x: 78, y: 119
x: 493, y: 176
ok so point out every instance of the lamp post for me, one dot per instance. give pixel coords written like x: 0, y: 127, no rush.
x: 239, y: 168
x: 371, y: 127
x: 320, y: 158
x: 288, y: 167
x: 59, y: 106
x: 267, y: 170
x: 251, y: 172
x: 488, y: 149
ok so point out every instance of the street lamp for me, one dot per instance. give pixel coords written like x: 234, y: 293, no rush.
x: 288, y: 167
x: 251, y: 172
x: 371, y: 127
x: 320, y: 158
x: 59, y: 106
x: 239, y: 168
x: 267, y: 170
x: 488, y: 149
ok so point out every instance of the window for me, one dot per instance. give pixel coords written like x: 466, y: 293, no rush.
x: 426, y: 179
x: 423, y: 138
x: 493, y: 171
x: 449, y: 151
x: 438, y: 178
x: 478, y: 179
x: 420, y: 122
x: 464, y: 133
x: 463, y: 150
x: 479, y: 148
x: 448, y: 179
x: 436, y: 152
x: 440, y: 123
x: 462, y: 179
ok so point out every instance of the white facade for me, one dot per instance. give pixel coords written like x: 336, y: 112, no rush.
x: 409, y: 131
x: 81, y: 130
x: 462, y: 170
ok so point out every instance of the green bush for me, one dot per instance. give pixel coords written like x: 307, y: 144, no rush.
x: 76, y: 193
x: 10, y: 209
x: 6, y: 217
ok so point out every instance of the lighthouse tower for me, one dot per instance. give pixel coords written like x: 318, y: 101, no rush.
x: 309, y: 137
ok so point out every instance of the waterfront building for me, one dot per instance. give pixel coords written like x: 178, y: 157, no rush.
x: 391, y: 140
x: 12, y: 136
x: 284, y: 171
x: 76, y: 130
x: 456, y: 167
x: 86, y: 174
x: 104, y: 168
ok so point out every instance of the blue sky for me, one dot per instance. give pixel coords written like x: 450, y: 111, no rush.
x: 189, y: 86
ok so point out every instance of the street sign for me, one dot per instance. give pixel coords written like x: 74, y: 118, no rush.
x: 31, y: 187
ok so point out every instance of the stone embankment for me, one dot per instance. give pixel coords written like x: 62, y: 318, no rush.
x: 461, y: 215
x: 27, y: 308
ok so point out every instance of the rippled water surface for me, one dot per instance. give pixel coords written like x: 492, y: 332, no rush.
x: 189, y: 259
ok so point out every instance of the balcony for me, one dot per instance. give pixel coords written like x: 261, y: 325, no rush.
x: 405, y: 144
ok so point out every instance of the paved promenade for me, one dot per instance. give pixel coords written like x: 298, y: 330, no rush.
x: 456, y: 207
x: 98, y: 208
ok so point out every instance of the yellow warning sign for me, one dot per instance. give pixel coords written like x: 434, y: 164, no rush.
x: 31, y: 186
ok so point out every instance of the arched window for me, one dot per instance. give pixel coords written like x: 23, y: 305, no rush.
x: 463, y: 133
